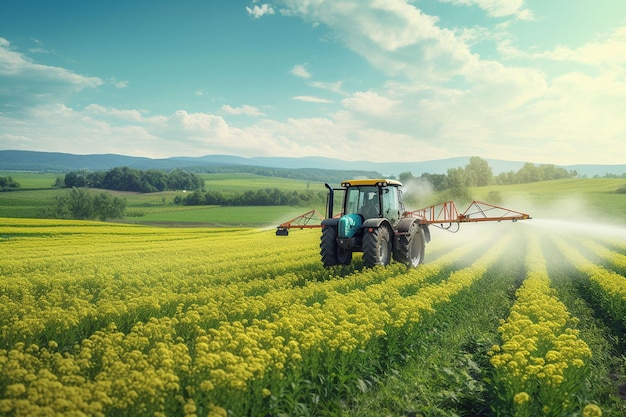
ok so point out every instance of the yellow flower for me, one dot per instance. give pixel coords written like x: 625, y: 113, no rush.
x: 592, y: 410
x: 15, y: 390
x: 190, y: 407
x: 207, y: 385
x: 521, y: 398
x: 217, y: 411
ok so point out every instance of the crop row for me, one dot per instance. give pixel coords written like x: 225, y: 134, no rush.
x: 541, y: 364
x: 615, y: 259
x: 608, y: 287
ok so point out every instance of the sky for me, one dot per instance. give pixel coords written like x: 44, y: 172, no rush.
x: 379, y: 80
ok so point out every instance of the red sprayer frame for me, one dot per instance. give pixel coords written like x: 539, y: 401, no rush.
x: 442, y: 215
x: 303, y: 221
x: 447, y: 213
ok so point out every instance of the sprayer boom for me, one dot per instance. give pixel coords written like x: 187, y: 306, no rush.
x: 447, y: 213
x: 309, y: 220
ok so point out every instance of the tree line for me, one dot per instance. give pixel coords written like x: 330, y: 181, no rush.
x: 261, y: 197
x: 129, y: 179
x: 478, y: 173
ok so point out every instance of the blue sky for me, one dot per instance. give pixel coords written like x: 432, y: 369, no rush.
x: 381, y: 80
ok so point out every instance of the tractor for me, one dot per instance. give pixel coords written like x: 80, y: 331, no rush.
x: 373, y: 220
x: 373, y: 223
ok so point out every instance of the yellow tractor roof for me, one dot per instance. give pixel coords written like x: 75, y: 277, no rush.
x: 379, y: 181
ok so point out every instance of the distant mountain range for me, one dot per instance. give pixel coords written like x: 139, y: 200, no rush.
x: 13, y: 160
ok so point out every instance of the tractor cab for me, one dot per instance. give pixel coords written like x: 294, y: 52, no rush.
x: 373, y: 198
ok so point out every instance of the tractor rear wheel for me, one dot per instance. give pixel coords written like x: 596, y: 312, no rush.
x: 328, y: 246
x: 411, y: 247
x: 377, y: 247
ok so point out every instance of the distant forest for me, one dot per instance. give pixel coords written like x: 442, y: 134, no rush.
x: 128, y: 179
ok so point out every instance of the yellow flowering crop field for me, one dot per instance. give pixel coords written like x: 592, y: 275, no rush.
x: 100, y: 319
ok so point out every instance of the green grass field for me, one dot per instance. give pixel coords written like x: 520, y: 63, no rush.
x: 244, y: 182
x: 568, y: 198
x: 31, y: 179
x: 254, y: 216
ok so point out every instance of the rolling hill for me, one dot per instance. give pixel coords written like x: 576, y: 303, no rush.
x: 64, y: 162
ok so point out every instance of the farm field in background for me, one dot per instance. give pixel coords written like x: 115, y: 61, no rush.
x: 521, y: 319
x: 595, y: 197
x: 36, y: 194
x: 244, y: 182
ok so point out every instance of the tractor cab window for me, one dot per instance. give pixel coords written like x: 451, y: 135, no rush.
x: 363, y: 200
x: 391, y: 203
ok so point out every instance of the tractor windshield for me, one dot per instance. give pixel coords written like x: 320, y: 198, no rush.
x: 363, y: 200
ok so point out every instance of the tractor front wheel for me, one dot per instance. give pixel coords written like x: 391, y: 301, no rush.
x: 328, y: 246
x: 377, y: 247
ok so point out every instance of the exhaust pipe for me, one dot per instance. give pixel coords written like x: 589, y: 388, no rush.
x: 331, y: 199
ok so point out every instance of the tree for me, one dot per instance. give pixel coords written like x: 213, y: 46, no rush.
x: 123, y: 179
x: 528, y: 173
x: 182, y: 180
x: 79, y: 204
x: 77, y: 179
x: 107, y: 207
x: 438, y: 181
x: 405, y: 177
x: 478, y: 173
x: 155, y: 179
x: 8, y: 183
x: 456, y: 184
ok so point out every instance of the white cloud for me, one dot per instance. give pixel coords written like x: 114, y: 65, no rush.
x: 394, y: 36
x: 498, y: 8
x: 117, y: 114
x: 608, y: 51
x: 19, y: 68
x: 300, y: 71
x: 259, y: 11
x: 335, y: 87
x: 27, y: 82
x: 312, y: 99
x: 369, y: 103
x: 242, y: 110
